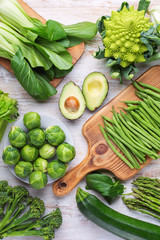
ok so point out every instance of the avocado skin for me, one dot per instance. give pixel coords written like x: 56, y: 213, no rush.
x: 97, y: 76
x: 72, y: 90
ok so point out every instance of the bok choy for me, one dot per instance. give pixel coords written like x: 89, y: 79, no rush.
x: 38, y: 52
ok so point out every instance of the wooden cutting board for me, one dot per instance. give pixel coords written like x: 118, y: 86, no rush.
x: 100, y: 155
x: 75, y: 51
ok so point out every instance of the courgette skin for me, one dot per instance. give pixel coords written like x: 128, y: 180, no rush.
x: 126, y: 227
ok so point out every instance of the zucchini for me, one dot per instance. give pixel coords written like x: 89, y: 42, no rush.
x: 126, y: 227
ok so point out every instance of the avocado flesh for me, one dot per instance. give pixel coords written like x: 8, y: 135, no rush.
x: 95, y: 89
x: 72, y: 103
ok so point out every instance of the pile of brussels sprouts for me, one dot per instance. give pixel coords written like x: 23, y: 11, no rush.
x: 32, y: 153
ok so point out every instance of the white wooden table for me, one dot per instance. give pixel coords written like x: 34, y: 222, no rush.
x: 75, y: 226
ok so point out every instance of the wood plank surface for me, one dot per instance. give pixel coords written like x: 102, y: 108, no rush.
x: 75, y: 226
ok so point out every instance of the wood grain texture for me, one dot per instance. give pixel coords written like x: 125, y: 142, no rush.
x: 75, y: 226
x: 75, y: 51
x: 100, y: 155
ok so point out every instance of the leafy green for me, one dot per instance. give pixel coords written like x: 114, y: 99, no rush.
x: 144, y: 5
x: 99, y: 54
x: 8, y: 111
x: 100, y: 24
x: 82, y: 30
x: 124, y: 4
x: 35, y: 84
x: 38, y: 46
x: 12, y: 41
x: 104, y: 185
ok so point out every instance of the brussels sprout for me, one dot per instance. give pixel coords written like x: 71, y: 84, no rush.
x: 40, y: 164
x: 65, y: 152
x: 57, y: 169
x: 36, y: 137
x: 47, y: 151
x: 32, y: 120
x: 23, y: 169
x: 17, y: 137
x: 55, y: 135
x: 29, y: 153
x: 11, y: 155
x: 38, y: 179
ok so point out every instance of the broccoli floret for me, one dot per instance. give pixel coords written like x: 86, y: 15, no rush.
x: 19, y: 193
x: 14, y: 223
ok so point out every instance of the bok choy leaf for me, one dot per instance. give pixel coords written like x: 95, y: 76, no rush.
x: 33, y: 82
x: 13, y: 40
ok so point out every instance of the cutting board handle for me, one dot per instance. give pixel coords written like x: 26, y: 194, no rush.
x: 65, y: 184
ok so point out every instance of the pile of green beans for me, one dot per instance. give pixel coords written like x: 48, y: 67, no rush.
x: 136, y: 132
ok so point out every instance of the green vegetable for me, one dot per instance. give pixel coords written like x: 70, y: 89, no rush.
x: 55, y: 135
x: 136, y: 133
x: 22, y: 215
x: 12, y: 41
x: 38, y: 179
x: 128, y: 38
x: 146, y: 195
x: 8, y: 111
x: 40, y: 164
x: 32, y: 120
x: 36, y: 137
x: 57, y: 169
x: 47, y: 151
x: 29, y: 153
x: 23, y: 169
x: 38, y: 52
x: 11, y: 155
x: 104, y: 185
x: 17, y: 137
x: 34, y: 82
x: 126, y: 227
x: 65, y: 152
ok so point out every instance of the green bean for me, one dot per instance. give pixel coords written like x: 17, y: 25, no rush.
x: 147, y: 117
x: 131, y: 102
x: 148, y: 91
x: 150, y: 102
x: 126, y: 143
x: 126, y: 152
x: 145, y: 134
x: 136, y: 146
x: 139, y: 119
x: 131, y: 108
x: 114, y: 149
x: 150, y: 111
x: 107, y: 119
x: 144, y: 139
x: 149, y: 87
x: 129, y: 139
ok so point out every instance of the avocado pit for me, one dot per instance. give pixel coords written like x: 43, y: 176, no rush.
x: 72, y: 104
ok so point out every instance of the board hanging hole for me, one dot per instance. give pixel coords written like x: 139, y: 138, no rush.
x: 62, y: 185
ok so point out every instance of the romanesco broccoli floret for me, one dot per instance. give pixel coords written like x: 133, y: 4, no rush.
x: 123, y: 33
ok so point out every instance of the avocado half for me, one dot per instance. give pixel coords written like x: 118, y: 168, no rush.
x: 72, y: 103
x: 95, y: 89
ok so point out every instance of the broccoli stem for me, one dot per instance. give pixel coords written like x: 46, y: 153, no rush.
x: 36, y: 233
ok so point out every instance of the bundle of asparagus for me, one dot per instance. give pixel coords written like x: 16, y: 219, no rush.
x: 136, y: 132
x: 147, y: 196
